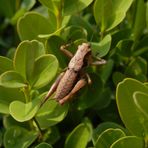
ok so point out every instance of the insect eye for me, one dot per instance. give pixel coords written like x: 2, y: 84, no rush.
x: 89, y: 45
x: 75, y: 71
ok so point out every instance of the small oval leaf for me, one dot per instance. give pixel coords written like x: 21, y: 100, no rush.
x: 79, y: 137
x: 5, y: 64
x: 12, y: 79
x: 108, y: 137
x: 129, y: 142
x: 25, y: 56
x: 126, y: 105
x: 45, y: 69
x: 51, y: 113
x: 102, y: 48
x: 72, y: 6
x: 31, y: 25
x: 18, y: 137
x: 23, y: 112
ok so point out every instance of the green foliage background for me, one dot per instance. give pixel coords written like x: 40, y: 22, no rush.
x: 112, y: 112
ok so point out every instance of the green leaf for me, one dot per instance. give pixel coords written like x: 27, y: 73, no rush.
x: 51, y: 113
x: 1, y: 139
x: 141, y: 101
x: 25, y: 57
x: 50, y: 4
x: 19, y: 137
x: 103, y: 103
x: 21, y: 111
x: 118, y: 77
x: 44, y: 70
x: 72, y: 33
x: 53, y: 46
x: 147, y: 14
x: 9, y: 9
x: 102, y: 48
x: 7, y: 95
x: 79, y: 137
x: 106, y: 70
x: 110, y: 19
x: 128, y: 141
x: 126, y: 105
x: 26, y: 5
x: 32, y: 24
x: 74, y: 6
x: 80, y: 21
x: 124, y: 47
x: 43, y: 145
x: 12, y: 79
x: 121, y: 34
x: 103, y: 127
x: 108, y: 137
x: 52, y: 135
x: 9, y: 121
x: 139, y: 22
x: 137, y: 68
x: 83, y: 100
x: 5, y: 64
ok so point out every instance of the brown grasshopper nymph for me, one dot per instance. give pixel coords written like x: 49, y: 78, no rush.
x: 74, y: 78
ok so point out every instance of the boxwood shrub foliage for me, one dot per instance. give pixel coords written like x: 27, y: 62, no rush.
x: 112, y: 112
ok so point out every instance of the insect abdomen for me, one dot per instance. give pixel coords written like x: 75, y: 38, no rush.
x: 66, y: 84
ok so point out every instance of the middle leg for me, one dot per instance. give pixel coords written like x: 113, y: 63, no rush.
x: 81, y: 83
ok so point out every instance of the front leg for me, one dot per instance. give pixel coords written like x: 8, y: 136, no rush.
x: 52, y: 89
x: 81, y: 83
x: 99, y: 62
x: 65, y: 51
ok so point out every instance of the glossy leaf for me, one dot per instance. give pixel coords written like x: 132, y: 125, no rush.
x: 73, y: 33
x: 126, y: 105
x: 51, y: 113
x: 49, y: 4
x: 108, y: 137
x: 106, y: 70
x: 9, y: 122
x: 19, y: 137
x: 1, y: 138
x: 7, y: 95
x: 5, y: 64
x: 25, y: 57
x: 118, y: 77
x: 84, y: 23
x: 102, y: 48
x: 92, y: 91
x: 9, y: 8
x: 137, y: 68
x: 43, y: 145
x: 74, y: 6
x: 45, y: 69
x: 139, y: 22
x: 129, y: 141
x: 103, y: 127
x: 78, y: 138
x: 124, y: 48
x: 147, y: 14
x: 37, y: 25
x: 110, y: 19
x: 25, y: 5
x: 52, y: 135
x: 12, y: 79
x: 141, y: 101
x: 21, y: 111
x: 55, y: 49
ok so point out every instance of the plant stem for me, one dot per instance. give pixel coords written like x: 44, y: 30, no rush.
x: 26, y: 93
x: 38, y: 126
